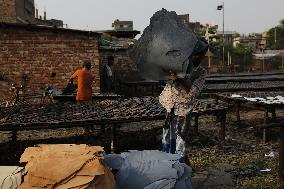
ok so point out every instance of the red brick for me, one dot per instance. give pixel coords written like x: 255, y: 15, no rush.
x: 39, y: 53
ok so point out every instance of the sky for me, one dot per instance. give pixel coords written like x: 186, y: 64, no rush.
x: 243, y: 16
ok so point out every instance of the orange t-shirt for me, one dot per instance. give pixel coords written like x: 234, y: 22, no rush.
x: 85, y: 79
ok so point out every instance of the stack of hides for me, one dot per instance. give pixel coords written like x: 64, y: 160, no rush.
x: 66, y: 166
x: 149, y: 170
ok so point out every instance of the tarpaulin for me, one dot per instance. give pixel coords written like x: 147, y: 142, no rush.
x: 149, y: 170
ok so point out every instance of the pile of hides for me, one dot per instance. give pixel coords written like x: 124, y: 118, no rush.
x: 11, y: 177
x: 65, y: 166
x: 149, y: 170
x: 166, y: 46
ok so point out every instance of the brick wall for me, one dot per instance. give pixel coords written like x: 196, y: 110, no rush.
x: 37, y: 52
x: 124, y: 68
x: 25, y: 10
x: 8, y: 11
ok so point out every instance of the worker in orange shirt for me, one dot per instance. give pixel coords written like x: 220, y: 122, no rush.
x: 85, y: 80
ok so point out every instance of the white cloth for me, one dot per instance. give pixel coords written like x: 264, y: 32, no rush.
x: 11, y: 177
x: 175, y: 96
x: 109, y: 71
x: 180, y: 146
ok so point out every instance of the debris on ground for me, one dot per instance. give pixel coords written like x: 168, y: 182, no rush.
x: 272, y: 154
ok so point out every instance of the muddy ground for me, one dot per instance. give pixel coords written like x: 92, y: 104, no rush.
x: 237, y: 162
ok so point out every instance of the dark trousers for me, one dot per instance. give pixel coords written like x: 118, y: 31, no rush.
x: 109, y: 84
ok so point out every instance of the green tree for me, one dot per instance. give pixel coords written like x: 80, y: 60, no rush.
x: 277, y: 33
x: 241, y: 55
x: 282, y: 22
x: 214, y: 39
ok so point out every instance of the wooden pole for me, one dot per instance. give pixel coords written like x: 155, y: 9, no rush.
x: 238, y: 114
x: 228, y: 58
x: 281, y: 155
x: 196, y: 125
x: 222, y: 133
x: 113, y: 138
x: 275, y: 37
x: 282, y: 61
x: 223, y: 60
x: 262, y: 61
x: 209, y: 61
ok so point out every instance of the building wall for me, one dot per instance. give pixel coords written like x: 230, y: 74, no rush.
x: 25, y: 10
x: 8, y: 11
x: 184, y: 18
x: 52, y: 22
x: 124, y: 68
x: 34, y: 53
x: 122, y: 25
x: 195, y: 26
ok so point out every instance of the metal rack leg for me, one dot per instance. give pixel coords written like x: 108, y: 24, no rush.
x: 238, y: 114
x: 223, y: 126
x: 264, y: 135
x: 114, y: 139
x: 196, y: 125
x: 273, y: 112
x: 281, y: 155
x: 14, y: 136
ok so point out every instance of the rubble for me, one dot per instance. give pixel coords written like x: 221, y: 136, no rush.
x: 64, y: 166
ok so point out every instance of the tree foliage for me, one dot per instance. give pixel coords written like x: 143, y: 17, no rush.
x: 282, y: 22
x: 279, y: 31
x: 241, y: 55
x: 241, y: 50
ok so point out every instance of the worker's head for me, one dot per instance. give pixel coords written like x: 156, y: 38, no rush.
x: 173, y: 76
x: 87, y: 64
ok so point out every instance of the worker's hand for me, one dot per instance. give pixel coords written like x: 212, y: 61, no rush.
x: 71, y: 81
